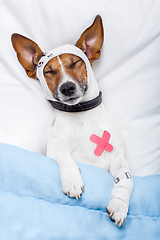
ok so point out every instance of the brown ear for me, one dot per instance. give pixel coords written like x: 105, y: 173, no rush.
x: 28, y: 53
x: 91, y: 40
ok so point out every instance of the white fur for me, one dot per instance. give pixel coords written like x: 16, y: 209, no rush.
x: 66, y: 78
x: 69, y: 142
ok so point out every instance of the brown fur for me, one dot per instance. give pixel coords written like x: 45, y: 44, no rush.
x: 73, y: 66
x: 53, y: 74
x: 29, y: 54
x: 91, y: 40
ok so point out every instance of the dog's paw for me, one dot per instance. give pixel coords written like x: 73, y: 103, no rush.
x: 117, y: 210
x: 72, y: 183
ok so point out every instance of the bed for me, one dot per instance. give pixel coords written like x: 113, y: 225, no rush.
x: 32, y: 203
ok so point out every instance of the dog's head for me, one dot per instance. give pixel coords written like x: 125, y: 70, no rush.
x: 66, y: 74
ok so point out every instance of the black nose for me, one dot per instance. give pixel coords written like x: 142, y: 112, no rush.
x: 68, y: 89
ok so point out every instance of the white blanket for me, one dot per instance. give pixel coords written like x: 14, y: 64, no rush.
x: 128, y: 71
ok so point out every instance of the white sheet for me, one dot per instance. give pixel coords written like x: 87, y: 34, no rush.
x: 128, y: 71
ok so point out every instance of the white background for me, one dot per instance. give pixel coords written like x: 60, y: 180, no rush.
x: 128, y: 70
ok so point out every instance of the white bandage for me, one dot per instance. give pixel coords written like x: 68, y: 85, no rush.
x: 71, y: 49
x: 123, y: 185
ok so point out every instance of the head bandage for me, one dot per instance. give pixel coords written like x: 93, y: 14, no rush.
x: 71, y: 49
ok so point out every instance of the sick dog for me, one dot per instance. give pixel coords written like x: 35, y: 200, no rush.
x: 82, y: 130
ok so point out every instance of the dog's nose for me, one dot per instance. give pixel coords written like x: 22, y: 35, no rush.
x: 68, y: 89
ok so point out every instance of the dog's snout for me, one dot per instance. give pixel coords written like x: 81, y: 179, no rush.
x: 68, y: 89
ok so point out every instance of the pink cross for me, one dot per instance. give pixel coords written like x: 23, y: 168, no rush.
x: 102, y: 143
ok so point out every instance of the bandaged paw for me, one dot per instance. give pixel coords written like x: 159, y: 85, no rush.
x: 117, y: 210
x: 71, y: 180
x: 120, y: 196
x: 123, y: 186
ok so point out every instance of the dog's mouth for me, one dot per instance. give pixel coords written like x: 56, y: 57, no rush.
x: 72, y: 100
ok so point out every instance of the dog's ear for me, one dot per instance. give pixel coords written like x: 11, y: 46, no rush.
x: 91, y: 40
x: 28, y: 53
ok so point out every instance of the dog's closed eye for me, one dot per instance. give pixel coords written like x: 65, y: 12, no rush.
x: 50, y: 72
x: 74, y: 63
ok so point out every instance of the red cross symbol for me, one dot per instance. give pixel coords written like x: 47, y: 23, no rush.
x: 102, y: 143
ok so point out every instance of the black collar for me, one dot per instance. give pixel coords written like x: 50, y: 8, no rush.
x: 80, y: 107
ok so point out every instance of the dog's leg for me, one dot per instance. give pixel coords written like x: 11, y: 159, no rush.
x: 72, y: 183
x: 71, y: 180
x: 121, y: 193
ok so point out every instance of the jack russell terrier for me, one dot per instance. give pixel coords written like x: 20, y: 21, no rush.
x: 82, y: 130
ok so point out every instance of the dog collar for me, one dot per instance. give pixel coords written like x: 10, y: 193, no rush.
x: 80, y: 107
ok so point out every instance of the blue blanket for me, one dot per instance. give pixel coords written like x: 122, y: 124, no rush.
x: 33, y: 206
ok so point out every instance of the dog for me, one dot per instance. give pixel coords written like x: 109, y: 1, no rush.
x: 82, y: 130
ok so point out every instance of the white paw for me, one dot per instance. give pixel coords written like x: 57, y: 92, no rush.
x: 72, y: 183
x: 117, y: 210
